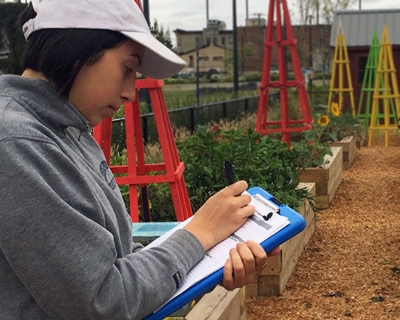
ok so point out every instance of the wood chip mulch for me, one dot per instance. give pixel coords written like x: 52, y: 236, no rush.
x: 351, y: 266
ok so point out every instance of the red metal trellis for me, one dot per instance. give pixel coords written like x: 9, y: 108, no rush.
x: 135, y: 173
x: 285, y: 125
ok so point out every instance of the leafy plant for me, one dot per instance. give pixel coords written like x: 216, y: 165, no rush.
x: 314, y: 149
x: 332, y: 126
x: 341, y: 124
x: 261, y: 161
x: 11, y: 38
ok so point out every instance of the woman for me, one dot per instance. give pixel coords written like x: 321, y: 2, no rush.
x: 65, y: 236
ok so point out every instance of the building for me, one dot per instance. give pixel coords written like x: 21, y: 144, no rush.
x: 211, y: 59
x: 358, y: 28
x: 208, y: 47
x: 250, y: 41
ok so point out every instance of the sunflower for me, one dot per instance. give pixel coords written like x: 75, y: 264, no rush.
x: 335, y: 109
x: 323, y: 121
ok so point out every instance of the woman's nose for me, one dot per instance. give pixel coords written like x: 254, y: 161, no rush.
x: 128, y: 93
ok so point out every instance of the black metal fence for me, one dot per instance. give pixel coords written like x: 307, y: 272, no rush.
x: 190, y: 117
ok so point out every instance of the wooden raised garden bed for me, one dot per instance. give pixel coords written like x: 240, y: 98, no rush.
x: 275, y: 276
x: 349, y: 146
x: 327, y: 178
x: 220, y: 304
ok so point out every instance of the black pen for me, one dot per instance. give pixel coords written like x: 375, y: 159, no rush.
x: 268, y: 216
x: 229, y: 174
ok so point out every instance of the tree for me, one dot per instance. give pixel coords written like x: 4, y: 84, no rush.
x: 323, y: 8
x: 330, y: 6
x: 12, y: 41
x: 315, y: 11
x: 305, y: 8
x: 160, y: 35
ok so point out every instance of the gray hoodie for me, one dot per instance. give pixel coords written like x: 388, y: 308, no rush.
x: 66, y: 248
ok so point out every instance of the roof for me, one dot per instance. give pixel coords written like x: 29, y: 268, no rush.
x: 359, y: 26
x: 192, y: 32
x: 203, y: 47
x: 181, y: 31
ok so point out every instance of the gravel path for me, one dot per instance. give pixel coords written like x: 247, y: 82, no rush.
x: 351, y: 266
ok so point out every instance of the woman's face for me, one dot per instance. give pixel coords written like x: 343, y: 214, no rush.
x: 100, y: 89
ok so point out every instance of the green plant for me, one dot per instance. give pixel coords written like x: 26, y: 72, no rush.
x: 120, y: 158
x: 316, y: 148
x: 12, y: 41
x: 332, y: 126
x: 342, y: 124
x: 261, y: 161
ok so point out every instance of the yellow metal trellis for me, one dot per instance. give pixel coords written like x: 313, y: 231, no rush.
x: 342, y: 63
x: 386, y: 74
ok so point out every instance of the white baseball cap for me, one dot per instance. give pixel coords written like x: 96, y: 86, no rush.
x: 123, y: 16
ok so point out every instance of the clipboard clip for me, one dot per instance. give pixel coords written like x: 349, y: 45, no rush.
x: 272, y: 203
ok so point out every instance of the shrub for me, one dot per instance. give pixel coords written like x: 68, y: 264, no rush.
x: 261, y: 161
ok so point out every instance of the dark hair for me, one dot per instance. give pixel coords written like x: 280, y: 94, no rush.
x: 61, y: 53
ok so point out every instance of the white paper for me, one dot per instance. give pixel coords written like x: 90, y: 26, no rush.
x: 256, y: 229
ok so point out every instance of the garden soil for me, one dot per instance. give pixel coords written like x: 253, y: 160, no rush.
x: 350, y: 269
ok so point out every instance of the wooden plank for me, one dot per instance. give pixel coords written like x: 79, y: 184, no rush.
x: 279, y: 269
x: 322, y: 202
x: 220, y: 304
x: 269, y: 286
x: 337, y: 180
x: 252, y: 288
x: 327, y: 183
x: 322, y: 173
x: 336, y: 162
x: 352, y: 154
x: 275, y: 263
x: 314, y: 175
x: 349, y: 145
x: 322, y: 187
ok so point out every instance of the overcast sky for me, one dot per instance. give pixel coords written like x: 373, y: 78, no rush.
x: 191, y: 14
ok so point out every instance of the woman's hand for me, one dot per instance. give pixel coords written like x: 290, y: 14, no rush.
x: 246, y: 261
x: 221, y: 215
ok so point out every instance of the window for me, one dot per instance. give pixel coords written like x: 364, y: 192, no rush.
x: 215, y: 40
x: 223, y: 41
x: 191, y: 61
x: 218, y: 58
x: 208, y: 41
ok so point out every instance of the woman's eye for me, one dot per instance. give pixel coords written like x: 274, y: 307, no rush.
x: 128, y: 70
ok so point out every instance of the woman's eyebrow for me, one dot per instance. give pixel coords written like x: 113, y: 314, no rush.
x: 138, y: 57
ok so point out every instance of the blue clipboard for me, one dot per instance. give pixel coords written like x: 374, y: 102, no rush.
x: 297, y: 224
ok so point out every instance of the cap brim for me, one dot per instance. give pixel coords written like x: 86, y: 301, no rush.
x: 158, y: 61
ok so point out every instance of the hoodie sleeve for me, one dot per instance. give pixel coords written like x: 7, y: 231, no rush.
x: 57, y: 240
